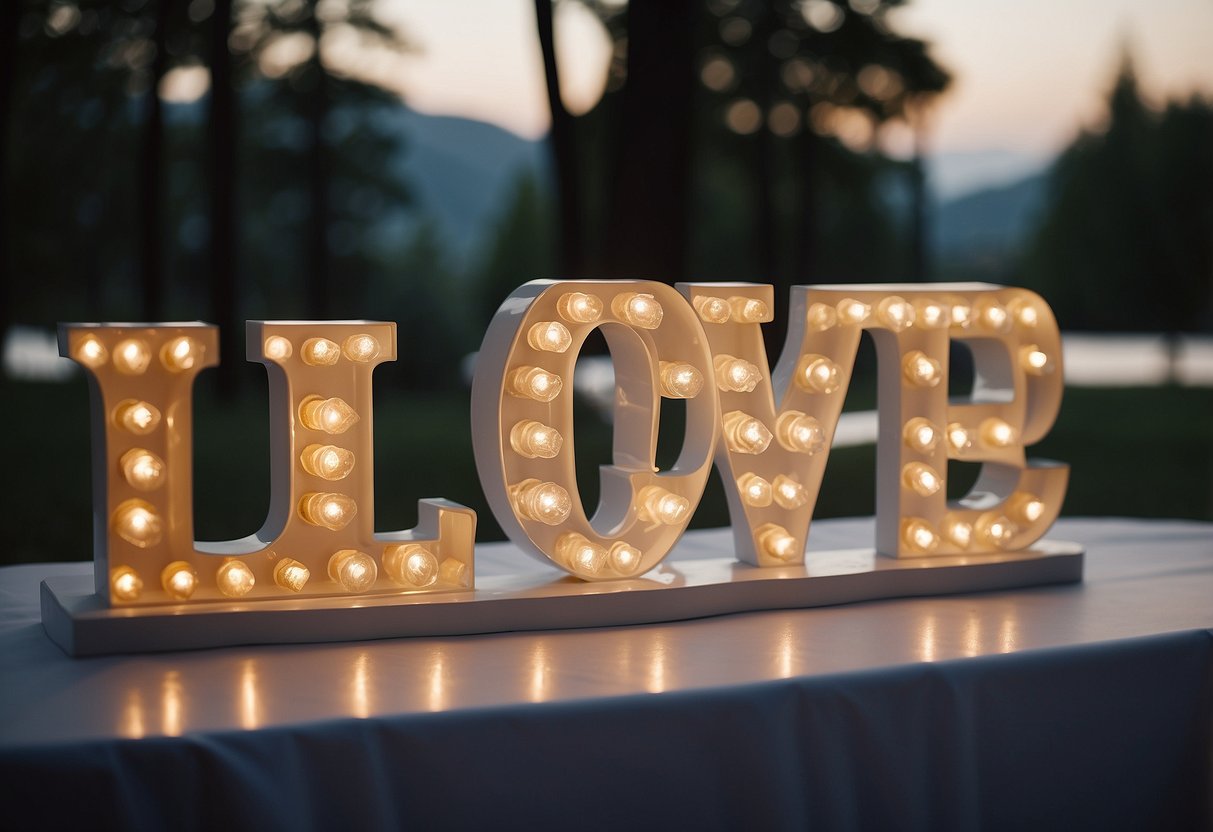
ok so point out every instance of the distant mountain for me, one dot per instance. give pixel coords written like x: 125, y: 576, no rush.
x: 957, y: 174
x: 995, y: 220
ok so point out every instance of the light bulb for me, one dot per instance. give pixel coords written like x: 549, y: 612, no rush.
x: 140, y: 418
x: 755, y: 491
x: 549, y: 336
x: 920, y: 435
x: 320, y: 352
x: 534, y: 383
x: 91, y: 352
x: 1023, y: 312
x: 624, y: 559
x: 453, y: 572
x: 918, y: 535
x: 713, y: 310
x: 959, y: 437
x: 534, y: 439
x: 921, y: 478
x: 820, y: 317
x: 961, y: 315
x: 788, y: 493
x: 735, y: 375
x: 1026, y: 508
x: 131, y: 357
x: 291, y: 574
x: 931, y: 314
x: 745, y: 434
x: 921, y: 370
x: 749, y: 310
x: 776, y: 541
x: 993, y: 315
x: 995, y: 529
x: 896, y: 313
x: 657, y: 505
x: 277, y: 348
x: 579, y: 308
x: 817, y: 374
x: 959, y: 532
x: 137, y: 523
x: 545, y: 502
x: 180, y: 354
x: 355, y: 571
x: 639, y: 310
x: 680, y: 380
x: 851, y: 311
x: 1034, y: 361
x: 235, y: 579
x: 800, y: 432
x: 328, y: 462
x: 996, y: 433
x: 331, y: 416
x: 361, y: 348
x: 580, y: 553
x: 125, y: 583
x: 327, y: 509
x: 411, y: 564
x: 179, y: 580
x: 143, y: 470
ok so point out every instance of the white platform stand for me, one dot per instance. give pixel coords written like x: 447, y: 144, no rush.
x: 678, y: 589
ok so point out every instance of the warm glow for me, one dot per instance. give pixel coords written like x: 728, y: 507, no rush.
x: 320, y: 352
x: 142, y: 469
x: 1023, y: 312
x: 995, y: 529
x: 179, y: 580
x: 776, y: 542
x: 895, y: 313
x: 355, y: 571
x: 453, y: 572
x: 91, y: 352
x: 920, y: 435
x: 921, y: 370
x: 137, y: 523
x: 624, y: 559
x: 712, y: 310
x: 754, y: 490
x: 235, y: 579
x: 277, y: 348
x: 180, y: 354
x: 959, y: 438
x: 125, y: 583
x: 931, y: 315
x: 821, y: 317
x: 799, y: 432
x: 140, y: 418
x: 131, y: 357
x: 361, y: 348
x: 735, y: 375
x: 328, y: 509
x: 656, y: 505
x: 291, y: 574
x: 639, y: 310
x: 534, y: 383
x: 921, y: 478
x: 549, y: 336
x: 411, y: 564
x: 851, y: 311
x: 545, y: 502
x: 996, y: 433
x: 332, y: 416
x: 789, y: 493
x: 580, y: 553
x: 579, y: 308
x: 993, y: 315
x: 328, y: 462
x: 749, y: 310
x: 1034, y: 361
x: 534, y: 439
x: 959, y: 532
x: 818, y: 374
x: 961, y: 315
x: 680, y: 380
x: 917, y: 535
x: 745, y: 434
x: 1026, y: 508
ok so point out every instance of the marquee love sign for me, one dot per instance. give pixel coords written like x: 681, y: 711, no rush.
x: 767, y: 431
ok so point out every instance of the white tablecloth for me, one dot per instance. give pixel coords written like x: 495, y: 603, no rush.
x: 1086, y: 706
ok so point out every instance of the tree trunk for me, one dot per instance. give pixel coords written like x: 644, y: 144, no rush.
x: 807, y: 150
x: 151, y: 165
x: 10, y: 17
x: 224, y: 298
x: 319, y: 300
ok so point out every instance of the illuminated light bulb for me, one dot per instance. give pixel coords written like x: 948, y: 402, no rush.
x: 142, y: 469
x: 1026, y: 508
x: 411, y: 564
x: 713, y: 310
x: 534, y: 383
x: 277, y: 348
x: 549, y: 336
x: 755, y: 491
x: 639, y: 310
x: 851, y: 311
x: 817, y: 374
x: 327, y: 461
x: 745, y: 434
x: 180, y: 354
x: 896, y: 313
x: 962, y: 315
x: 235, y: 579
x: 959, y: 532
x: 788, y: 493
x: 125, y: 583
x: 320, y: 352
x: 131, y: 357
x: 624, y: 559
x: 1023, y: 312
x: 776, y: 541
x: 291, y: 574
x: 140, y: 418
x: 995, y: 529
x: 921, y: 370
x: 959, y: 437
x: 545, y: 502
x: 921, y: 478
x: 918, y: 535
x: 680, y: 380
x: 579, y: 308
x: 91, y: 352
x: 534, y: 439
x: 137, y: 523
x: 361, y: 348
x: 820, y: 317
x: 920, y: 435
x: 327, y: 509
x: 453, y: 572
x: 331, y: 416
x: 749, y: 310
x: 660, y: 506
x: 179, y: 580
x: 800, y: 432
x: 993, y: 315
x: 355, y: 571
x: 580, y: 553
x: 1034, y: 361
x: 932, y: 315
x: 735, y: 375
x: 996, y: 433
